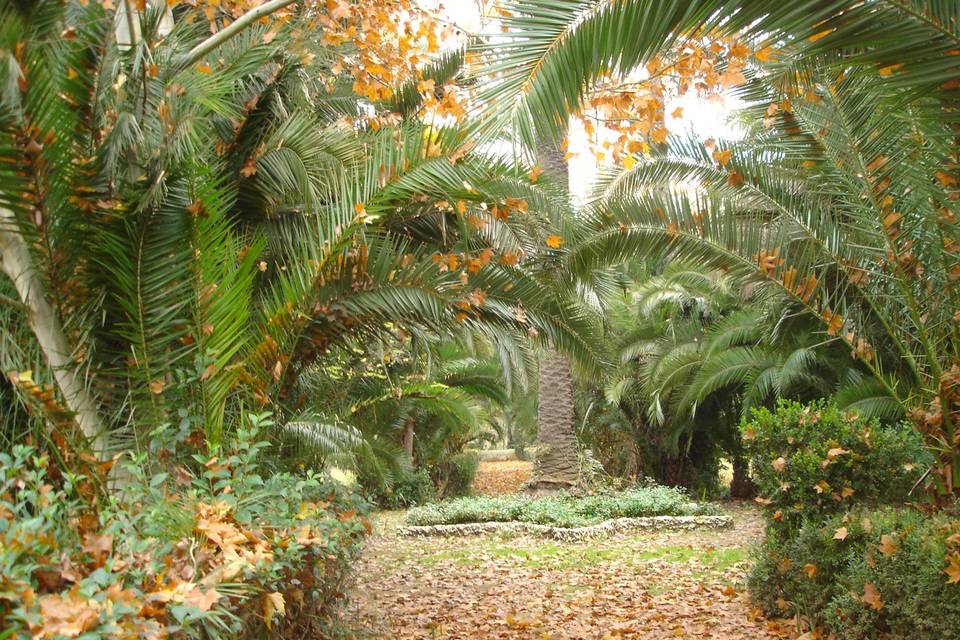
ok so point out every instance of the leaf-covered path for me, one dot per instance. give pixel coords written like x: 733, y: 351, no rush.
x: 655, y: 585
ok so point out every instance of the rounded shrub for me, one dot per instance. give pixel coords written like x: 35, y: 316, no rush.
x: 891, y: 573
x: 810, y: 462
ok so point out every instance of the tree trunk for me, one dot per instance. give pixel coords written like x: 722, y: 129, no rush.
x: 741, y: 486
x: 15, y: 261
x: 556, y: 465
x: 408, y: 438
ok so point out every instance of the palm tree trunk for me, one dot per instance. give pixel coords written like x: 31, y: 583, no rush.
x: 556, y: 464
x: 43, y: 321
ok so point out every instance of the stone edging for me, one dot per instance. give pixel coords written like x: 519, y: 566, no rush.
x: 609, y: 527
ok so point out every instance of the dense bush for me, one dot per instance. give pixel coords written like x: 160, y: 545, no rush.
x: 812, y: 461
x: 462, y: 471
x: 404, y: 489
x: 224, y: 553
x: 563, y: 510
x: 888, y: 573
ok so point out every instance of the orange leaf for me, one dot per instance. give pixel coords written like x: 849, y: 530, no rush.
x: 810, y: 570
x: 889, y: 69
x: 871, y: 596
x: 822, y: 34
x: 554, y: 241
x: 723, y: 157
x: 953, y: 570
x: 887, y: 545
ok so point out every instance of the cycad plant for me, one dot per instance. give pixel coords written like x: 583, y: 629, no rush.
x: 696, y: 353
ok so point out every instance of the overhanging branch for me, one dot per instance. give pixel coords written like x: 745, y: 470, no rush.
x: 233, y: 29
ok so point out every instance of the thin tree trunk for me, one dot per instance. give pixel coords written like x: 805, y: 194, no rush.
x: 408, y: 438
x: 43, y: 321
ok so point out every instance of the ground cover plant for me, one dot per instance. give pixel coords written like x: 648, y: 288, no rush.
x: 562, y: 510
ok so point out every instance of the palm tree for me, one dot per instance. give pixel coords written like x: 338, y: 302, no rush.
x: 846, y: 201
x: 189, y: 243
x: 824, y: 226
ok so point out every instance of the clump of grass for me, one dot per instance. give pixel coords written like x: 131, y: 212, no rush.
x: 562, y: 510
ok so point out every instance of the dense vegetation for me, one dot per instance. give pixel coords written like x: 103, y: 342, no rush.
x: 247, y: 247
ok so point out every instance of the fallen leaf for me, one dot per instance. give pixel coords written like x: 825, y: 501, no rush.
x: 273, y: 605
x: 887, y: 545
x: 871, y: 596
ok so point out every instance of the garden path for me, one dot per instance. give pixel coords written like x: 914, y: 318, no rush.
x: 681, y: 584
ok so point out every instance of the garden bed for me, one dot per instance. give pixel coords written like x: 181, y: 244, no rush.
x: 562, y: 511
x: 566, y: 534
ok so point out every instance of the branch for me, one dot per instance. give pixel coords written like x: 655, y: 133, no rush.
x: 10, y: 302
x: 234, y: 28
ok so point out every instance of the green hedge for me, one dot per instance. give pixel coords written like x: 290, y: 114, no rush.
x: 866, y: 574
x: 224, y: 553
x: 810, y: 462
x: 562, y: 510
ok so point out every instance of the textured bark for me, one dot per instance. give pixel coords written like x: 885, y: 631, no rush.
x: 556, y: 466
x: 741, y: 486
x: 16, y: 263
x: 408, y: 438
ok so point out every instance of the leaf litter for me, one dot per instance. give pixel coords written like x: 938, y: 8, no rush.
x: 676, y: 584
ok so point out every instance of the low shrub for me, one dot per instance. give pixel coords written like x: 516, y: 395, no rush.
x: 561, y: 510
x: 810, y: 462
x: 224, y: 553
x: 867, y: 574
x: 408, y: 488
x: 461, y: 474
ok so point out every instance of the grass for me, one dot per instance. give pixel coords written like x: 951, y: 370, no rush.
x: 562, y: 510
x: 564, y: 557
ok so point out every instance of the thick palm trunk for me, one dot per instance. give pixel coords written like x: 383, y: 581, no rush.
x: 15, y: 262
x: 556, y: 464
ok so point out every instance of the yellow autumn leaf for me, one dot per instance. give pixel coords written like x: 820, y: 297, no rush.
x: 554, y: 241
x: 273, y: 605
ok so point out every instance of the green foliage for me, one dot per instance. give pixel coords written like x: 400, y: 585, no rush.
x: 812, y: 461
x: 902, y: 554
x: 463, y: 469
x: 408, y: 488
x: 192, y: 555
x: 563, y: 510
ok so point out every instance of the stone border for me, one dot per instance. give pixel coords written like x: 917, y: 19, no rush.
x: 609, y: 527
